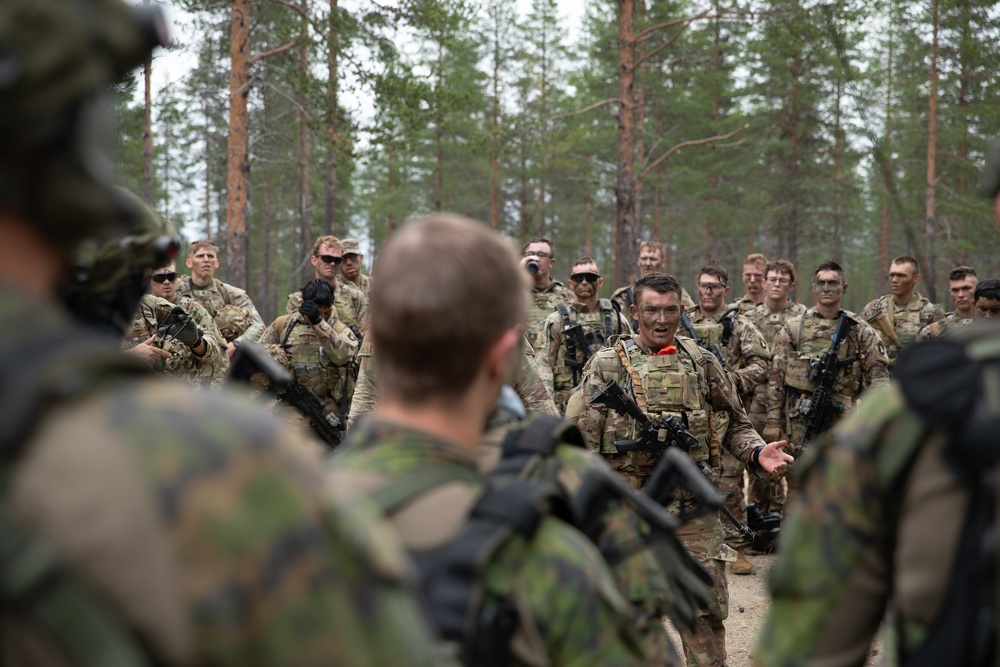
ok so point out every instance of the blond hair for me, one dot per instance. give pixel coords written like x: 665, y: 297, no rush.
x: 331, y: 241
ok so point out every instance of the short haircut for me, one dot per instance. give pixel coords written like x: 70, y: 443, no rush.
x: 989, y: 288
x: 961, y: 273
x: 318, y: 290
x: 661, y: 283
x: 756, y: 259
x: 541, y: 239
x: 781, y: 266
x: 715, y: 270
x: 433, y: 322
x: 830, y: 265
x: 656, y: 247
x: 202, y: 244
x: 906, y: 259
x: 585, y: 260
x: 331, y: 241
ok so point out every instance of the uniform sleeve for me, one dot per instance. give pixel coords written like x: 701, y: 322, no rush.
x: 874, y: 359
x: 830, y: 584
x: 776, y: 377
x: 934, y: 313
x: 592, y: 421
x: 740, y: 438
x: 339, y: 342
x: 207, y: 324
x: 547, y: 345
x: 870, y: 311
x: 293, y: 303
x: 532, y: 389
x: 363, y: 400
x: 256, y: 326
x: 926, y: 333
x: 754, y: 356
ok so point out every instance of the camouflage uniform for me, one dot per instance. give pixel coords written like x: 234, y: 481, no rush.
x: 746, y: 305
x: 543, y: 302
x: 235, y: 315
x: 530, y: 386
x: 350, y: 304
x: 906, y: 320
x: 692, y: 386
x: 571, y: 612
x: 318, y: 357
x: 207, y: 370
x: 880, y: 518
x: 624, y: 297
x: 951, y: 322
x: 175, y: 511
x: 747, y: 360
x: 807, y: 338
x: 768, y: 494
x: 364, y: 284
x: 597, y: 329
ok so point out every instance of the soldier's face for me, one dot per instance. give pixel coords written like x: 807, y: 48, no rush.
x: 351, y: 266
x: 778, y: 285
x: 541, y: 252
x: 987, y: 308
x: 586, y: 287
x: 203, y: 264
x: 650, y: 261
x: 962, y: 293
x: 828, y: 288
x: 162, y: 282
x: 902, y: 278
x: 711, y: 293
x: 659, y: 316
x: 325, y: 310
x: 324, y: 269
x: 753, y: 281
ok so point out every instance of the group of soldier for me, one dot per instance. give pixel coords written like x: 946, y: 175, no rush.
x: 532, y: 473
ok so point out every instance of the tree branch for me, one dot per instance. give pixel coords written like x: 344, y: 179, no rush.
x: 273, y: 52
x: 684, y: 144
x: 301, y: 12
x: 667, y: 43
x: 660, y: 26
x: 610, y: 100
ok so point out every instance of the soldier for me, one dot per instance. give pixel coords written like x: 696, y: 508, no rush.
x: 905, y: 311
x: 350, y: 304
x: 539, y: 256
x: 754, y: 270
x: 899, y: 505
x: 350, y: 270
x: 747, y: 358
x: 195, y: 353
x: 143, y: 523
x: 549, y: 599
x: 572, y: 334
x: 652, y: 256
x: 962, y: 281
x: 669, y: 375
x: 987, y: 297
x: 806, y: 338
x: 769, y: 317
x: 235, y: 315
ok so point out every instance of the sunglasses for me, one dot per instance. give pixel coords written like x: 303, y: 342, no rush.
x: 163, y: 277
x: 591, y: 278
x: 332, y: 259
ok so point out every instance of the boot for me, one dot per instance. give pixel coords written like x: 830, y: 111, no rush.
x: 742, y: 565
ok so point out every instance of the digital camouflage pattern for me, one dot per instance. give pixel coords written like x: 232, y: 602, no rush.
x: 202, y: 526
x: 543, y: 302
x: 769, y: 493
x: 350, y: 304
x: 625, y: 297
x: 907, y: 321
x: 693, y: 387
x: 834, y: 577
x: 598, y: 329
x: 951, y: 322
x: 216, y: 297
x: 208, y: 370
x: 807, y: 338
x: 529, y: 385
x: 570, y: 611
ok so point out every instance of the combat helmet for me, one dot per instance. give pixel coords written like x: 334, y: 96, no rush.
x: 57, y: 59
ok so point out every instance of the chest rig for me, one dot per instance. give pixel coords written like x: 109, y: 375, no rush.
x: 312, y: 368
x: 584, y: 334
x: 810, y: 340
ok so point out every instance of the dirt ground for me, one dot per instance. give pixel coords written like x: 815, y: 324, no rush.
x: 748, y: 603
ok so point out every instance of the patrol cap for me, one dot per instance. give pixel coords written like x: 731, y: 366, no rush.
x: 351, y: 247
x: 989, y: 181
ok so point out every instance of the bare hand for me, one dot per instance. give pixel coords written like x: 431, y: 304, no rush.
x: 148, y: 352
x: 230, y: 350
x: 773, y: 458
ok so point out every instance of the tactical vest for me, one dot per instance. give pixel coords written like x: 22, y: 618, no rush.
x: 213, y: 300
x: 597, y: 329
x: 312, y: 368
x: 718, y: 332
x: 810, y: 339
x: 543, y: 303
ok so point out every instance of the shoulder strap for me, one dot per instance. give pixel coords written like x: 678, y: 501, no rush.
x: 624, y: 347
x: 607, y: 309
x: 795, y: 329
x: 404, y: 488
x: 221, y: 286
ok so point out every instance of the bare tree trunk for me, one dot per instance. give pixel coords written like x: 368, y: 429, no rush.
x: 305, y: 230
x: 525, y: 214
x: 626, y: 229
x: 332, y: 120
x: 794, y: 158
x: 711, y: 231
x: 930, y: 218
x: 495, y: 126
x: 838, y: 180
x: 147, y: 134
x: 883, y: 277
x: 238, y: 170
x: 588, y: 219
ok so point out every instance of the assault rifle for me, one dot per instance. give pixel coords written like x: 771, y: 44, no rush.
x: 575, y: 341
x: 714, y: 349
x: 655, y: 437
x: 251, y: 364
x: 817, y: 411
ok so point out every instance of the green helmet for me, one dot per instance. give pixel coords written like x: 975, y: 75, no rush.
x: 57, y: 59
x: 989, y: 181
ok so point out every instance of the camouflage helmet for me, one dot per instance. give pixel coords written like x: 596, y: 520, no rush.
x: 232, y: 321
x: 989, y: 181
x: 57, y: 59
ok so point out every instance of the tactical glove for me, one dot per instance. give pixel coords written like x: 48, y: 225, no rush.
x: 772, y: 433
x: 182, y: 328
x: 310, y: 311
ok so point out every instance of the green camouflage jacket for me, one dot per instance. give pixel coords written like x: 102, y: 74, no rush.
x: 543, y: 302
x: 220, y: 299
x: 907, y: 321
x: 747, y: 354
x: 951, y: 322
x: 569, y: 610
x: 806, y: 338
x: 199, y: 524
x: 350, y: 304
x: 208, y: 370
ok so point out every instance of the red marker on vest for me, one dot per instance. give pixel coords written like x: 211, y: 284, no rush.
x: 669, y: 349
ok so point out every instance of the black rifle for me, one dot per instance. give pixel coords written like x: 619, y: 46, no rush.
x: 251, y: 364
x: 714, y: 349
x: 817, y: 411
x: 656, y: 436
x: 575, y: 341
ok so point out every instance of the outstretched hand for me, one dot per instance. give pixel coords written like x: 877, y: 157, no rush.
x: 773, y: 458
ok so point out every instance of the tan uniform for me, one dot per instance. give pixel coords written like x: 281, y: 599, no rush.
x: 543, y: 302
x: 350, y: 304
x: 951, y: 322
x: 906, y: 320
x: 221, y: 300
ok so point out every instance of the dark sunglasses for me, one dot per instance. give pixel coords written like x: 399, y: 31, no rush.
x: 332, y: 259
x: 163, y: 277
x: 591, y: 278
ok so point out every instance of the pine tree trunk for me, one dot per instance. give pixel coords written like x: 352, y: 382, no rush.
x: 147, y: 135
x: 332, y: 120
x: 626, y: 229
x: 838, y: 180
x: 495, y: 127
x: 239, y: 119
x: 305, y: 230
x: 883, y: 276
x: 930, y: 217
